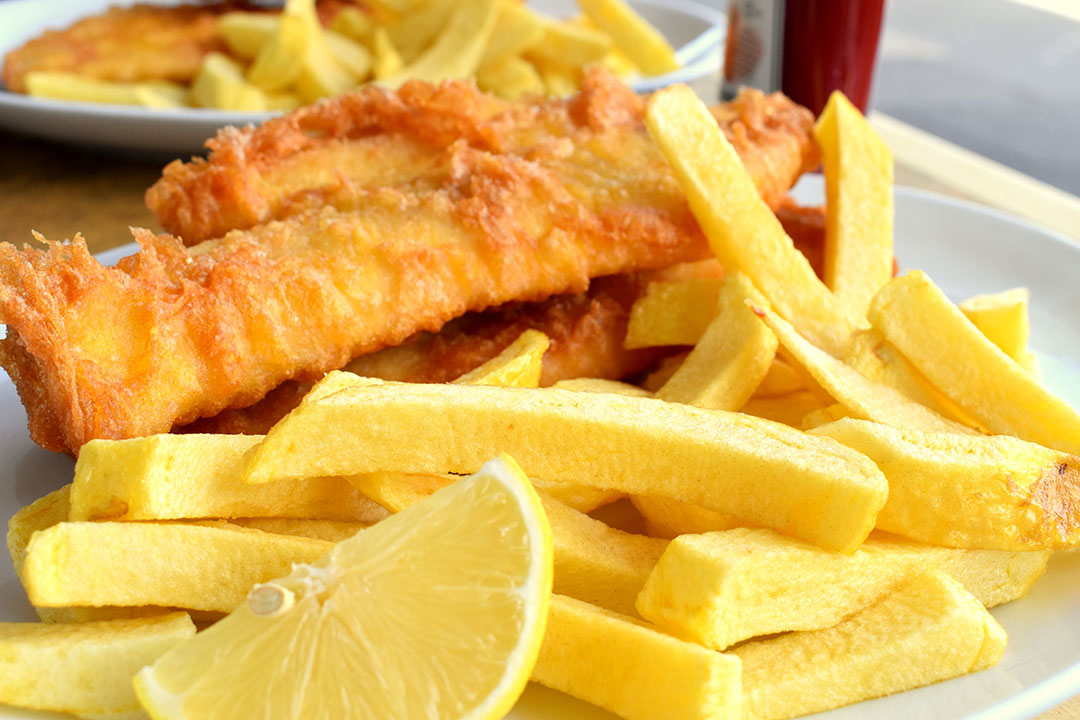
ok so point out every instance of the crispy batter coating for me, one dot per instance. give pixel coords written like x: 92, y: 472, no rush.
x: 326, y: 153
x: 143, y: 42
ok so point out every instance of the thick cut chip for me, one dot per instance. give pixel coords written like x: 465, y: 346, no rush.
x: 457, y: 50
x: 970, y: 491
x: 246, y: 32
x: 279, y: 62
x: 72, y: 86
x: 633, y: 670
x: 861, y: 395
x: 667, y: 518
x: 85, y: 669
x: 518, y: 365
x: 601, y: 385
x: 571, y: 44
x: 1003, y: 318
x: 510, y: 77
x: 169, y: 477
x: 859, y: 204
x: 673, y: 312
x: 781, y: 379
x: 437, y: 612
x: 761, y: 472
x: 929, y: 630
x: 220, y: 84
x: 517, y: 28
x: 328, y: 530
x: 731, y: 358
x: 199, y: 566
x: 741, y: 229
x: 968, y: 368
x: 643, y: 44
x: 721, y: 588
x: 386, y: 61
x: 788, y: 409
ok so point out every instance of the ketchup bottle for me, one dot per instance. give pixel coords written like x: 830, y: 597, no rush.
x: 806, y: 48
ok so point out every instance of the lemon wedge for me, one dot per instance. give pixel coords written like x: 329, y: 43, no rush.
x: 435, y: 612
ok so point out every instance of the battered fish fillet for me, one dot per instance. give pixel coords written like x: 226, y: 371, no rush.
x: 326, y: 154
x: 586, y: 332
x: 173, y: 334
x: 143, y: 42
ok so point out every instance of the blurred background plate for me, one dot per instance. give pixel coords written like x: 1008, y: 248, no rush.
x: 696, y: 31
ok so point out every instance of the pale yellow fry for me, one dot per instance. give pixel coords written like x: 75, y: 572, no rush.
x: 518, y: 365
x: 559, y: 80
x: 663, y: 372
x: 220, y: 84
x: 75, y: 87
x: 617, y: 62
x: 387, y: 60
x: 601, y: 385
x: 321, y: 74
x: 741, y: 229
x: 457, y: 50
x: 643, y: 44
x: 413, y: 32
x: 761, y: 472
x: 353, y: 57
x: 721, y: 588
x: 354, y: 23
x: 280, y: 61
x: 781, y: 379
x: 674, y: 312
x: 329, y: 530
x: 510, y: 77
x: 246, y: 32
x: 859, y: 204
x: 788, y: 409
x: 517, y: 28
x: 570, y: 44
x: 929, y: 630
x: 731, y: 358
x: 1003, y: 319
x: 167, y: 477
x: 968, y: 368
x: 829, y: 414
x: 173, y: 564
x: 86, y: 668
x: 862, y: 396
x: 970, y: 491
x: 667, y: 518
x: 631, y: 669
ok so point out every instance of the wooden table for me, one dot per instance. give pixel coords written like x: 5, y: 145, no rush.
x: 59, y: 191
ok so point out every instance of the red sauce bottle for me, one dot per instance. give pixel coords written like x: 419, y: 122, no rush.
x: 807, y: 48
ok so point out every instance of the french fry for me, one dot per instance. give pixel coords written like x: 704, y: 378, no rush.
x: 279, y: 62
x: 518, y: 365
x: 663, y: 372
x: 354, y: 23
x: 387, y: 61
x: 415, y: 31
x: 781, y: 379
x: 761, y: 472
x: 570, y: 44
x: 321, y: 75
x: 601, y: 385
x: 220, y: 84
x: 788, y: 409
x: 1003, y: 319
x: 862, y: 396
x: 167, y: 477
x: 246, y: 32
x: 667, y: 518
x: 632, y: 670
x: 85, y: 669
x: 929, y: 630
x: 169, y: 564
x: 731, y: 358
x: 643, y: 44
x: 675, y: 312
x: 721, y: 588
x: 353, y: 57
x: 968, y: 368
x: 970, y: 491
x: 859, y: 206
x: 329, y: 530
x: 559, y: 80
x: 456, y: 51
x: 741, y: 229
x: 510, y: 77
x: 517, y: 28
x: 72, y: 86
x: 829, y: 414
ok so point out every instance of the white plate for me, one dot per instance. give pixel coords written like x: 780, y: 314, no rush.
x: 967, y: 250
x: 694, y: 28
